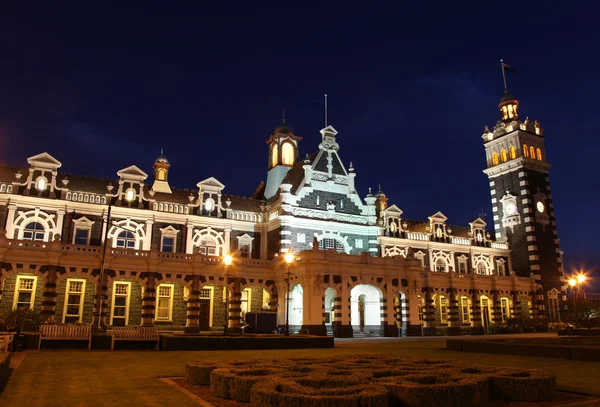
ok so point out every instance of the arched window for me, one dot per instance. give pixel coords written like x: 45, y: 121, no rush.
x: 208, y: 247
x: 503, y: 156
x: 512, y: 152
x: 3, y: 188
x: 34, y: 231
x: 161, y: 174
x: 274, y: 154
x: 330, y: 243
x: 287, y: 154
x: 539, y: 154
x: 481, y: 269
x: 495, y: 159
x: 440, y: 265
x: 525, y: 151
x: 126, y: 240
x: 532, y: 152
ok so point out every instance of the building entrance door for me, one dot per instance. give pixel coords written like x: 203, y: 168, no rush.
x: 204, y: 316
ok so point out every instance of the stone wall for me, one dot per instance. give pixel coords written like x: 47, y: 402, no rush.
x: 88, y: 300
x: 324, y: 197
x: 8, y: 293
x: 135, y: 303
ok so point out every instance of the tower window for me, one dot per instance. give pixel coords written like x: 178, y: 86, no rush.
x: 532, y: 152
x: 512, y: 152
x: 495, y: 159
x: 539, y: 154
x: 41, y: 183
x: 274, y: 154
x: 130, y: 194
x: 525, y: 151
x: 287, y: 154
x: 161, y: 174
x: 503, y: 156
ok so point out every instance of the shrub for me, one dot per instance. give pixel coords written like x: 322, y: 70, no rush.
x: 23, y: 319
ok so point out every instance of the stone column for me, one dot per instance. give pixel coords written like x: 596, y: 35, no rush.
x: 497, y: 307
x: 453, y: 317
x: 343, y: 328
x: 388, y: 310
x: 60, y: 216
x: 10, y: 222
x: 312, y: 312
x: 192, y: 324
x: 516, y: 308
x: 235, y: 306
x: 189, y: 245
x: 49, y: 295
x: 429, y: 329
x: 476, y: 328
x: 413, y: 310
x: 101, y: 289
x: 149, y: 301
x: 148, y: 237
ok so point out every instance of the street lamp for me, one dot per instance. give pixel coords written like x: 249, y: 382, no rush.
x: 289, y: 258
x: 573, y: 283
x: 227, y: 260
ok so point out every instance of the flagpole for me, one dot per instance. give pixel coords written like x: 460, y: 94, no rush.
x: 503, y: 74
x: 326, y: 110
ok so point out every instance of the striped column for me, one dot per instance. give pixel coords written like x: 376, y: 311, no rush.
x: 323, y: 312
x: 476, y: 313
x: 235, y: 306
x: 453, y: 318
x: 429, y: 317
x: 497, y: 307
x: 49, y: 295
x: 149, y: 301
x: 273, y: 300
x: 192, y: 324
x: 337, y: 309
x: 101, y: 290
x: 516, y: 308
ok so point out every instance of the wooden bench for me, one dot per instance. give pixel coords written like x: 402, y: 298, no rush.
x: 65, y: 333
x: 134, y: 333
x: 6, y: 340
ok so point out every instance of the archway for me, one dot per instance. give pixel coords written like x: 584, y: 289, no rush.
x: 365, y: 309
x: 296, y: 300
x: 486, y: 311
x: 330, y: 296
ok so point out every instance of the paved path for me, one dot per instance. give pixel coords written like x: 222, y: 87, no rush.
x: 105, y: 378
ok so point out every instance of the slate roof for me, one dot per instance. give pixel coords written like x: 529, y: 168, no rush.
x: 242, y: 203
x: 7, y: 172
x: 86, y: 184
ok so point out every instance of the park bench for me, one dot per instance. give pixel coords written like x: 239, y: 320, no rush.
x: 6, y: 340
x: 65, y: 333
x: 134, y: 333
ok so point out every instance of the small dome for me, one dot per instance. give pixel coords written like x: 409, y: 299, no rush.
x: 507, y: 97
x: 283, y: 128
x: 380, y: 193
x: 162, y: 159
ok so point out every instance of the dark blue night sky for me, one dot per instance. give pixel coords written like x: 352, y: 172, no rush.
x: 410, y: 89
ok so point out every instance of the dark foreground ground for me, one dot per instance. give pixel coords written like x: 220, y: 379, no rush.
x: 104, y: 378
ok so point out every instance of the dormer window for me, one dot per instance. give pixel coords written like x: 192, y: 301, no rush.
x: 439, y: 232
x: 161, y: 174
x: 209, y: 205
x: 393, y: 227
x: 274, y: 154
x: 130, y: 194
x: 41, y: 183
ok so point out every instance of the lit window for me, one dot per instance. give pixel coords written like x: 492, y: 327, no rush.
x: 209, y: 205
x: 130, y: 194
x: 422, y: 308
x: 82, y: 236
x: 505, y: 308
x: 539, y: 154
x: 439, y: 232
x: 24, y: 292
x: 464, y: 303
x: 503, y: 156
x: 512, y: 152
x: 393, y: 227
x: 525, y: 151
x: 495, y: 159
x: 462, y: 266
x: 245, y: 250
x: 74, y: 301
x: 532, y: 152
x: 443, y: 310
x: 440, y: 265
x: 41, y: 183
x: 287, y: 154
x: 501, y: 268
x: 168, y: 244
x: 328, y: 243
x: 164, y: 302
x: 481, y: 269
x: 246, y: 305
x: 34, y: 231
x: 161, y: 174
x: 274, y: 154
x: 126, y: 240
x: 120, y: 303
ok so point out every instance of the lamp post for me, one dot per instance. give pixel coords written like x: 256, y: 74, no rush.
x: 289, y: 258
x: 573, y: 283
x: 227, y: 260
x: 581, y: 281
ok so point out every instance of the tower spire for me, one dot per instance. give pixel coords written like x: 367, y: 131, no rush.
x: 326, y: 110
x: 283, y: 117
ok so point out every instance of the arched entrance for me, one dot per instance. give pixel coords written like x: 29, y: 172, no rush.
x: 365, y: 310
x: 330, y: 296
x: 296, y: 299
x: 486, y: 311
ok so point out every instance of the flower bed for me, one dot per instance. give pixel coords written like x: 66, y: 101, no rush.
x: 369, y: 380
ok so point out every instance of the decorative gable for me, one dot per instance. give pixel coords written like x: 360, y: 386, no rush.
x: 210, y: 185
x: 132, y: 173
x: 44, y: 161
x: 393, y: 212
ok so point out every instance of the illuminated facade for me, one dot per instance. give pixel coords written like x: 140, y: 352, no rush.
x: 135, y: 251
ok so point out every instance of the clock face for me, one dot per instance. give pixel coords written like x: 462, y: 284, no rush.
x: 540, y: 207
x: 510, y: 209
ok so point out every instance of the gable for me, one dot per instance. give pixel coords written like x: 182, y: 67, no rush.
x: 132, y: 172
x: 439, y: 216
x: 321, y: 164
x: 44, y: 160
x: 393, y: 210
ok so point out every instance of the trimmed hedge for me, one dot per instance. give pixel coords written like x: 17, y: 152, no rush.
x: 370, y: 380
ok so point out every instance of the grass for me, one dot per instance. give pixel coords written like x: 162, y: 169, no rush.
x: 104, y: 378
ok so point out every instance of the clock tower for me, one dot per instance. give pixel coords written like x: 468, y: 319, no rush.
x: 517, y: 168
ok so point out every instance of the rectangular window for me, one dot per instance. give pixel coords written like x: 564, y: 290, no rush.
x: 205, y: 293
x: 168, y: 244
x: 443, y: 310
x: 246, y: 301
x: 24, y: 292
x: 462, y: 267
x: 501, y: 269
x: 505, y: 309
x: 74, y: 294
x: 164, y: 302
x: 82, y: 236
x: 120, y: 303
x: 464, y: 302
x: 245, y: 250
